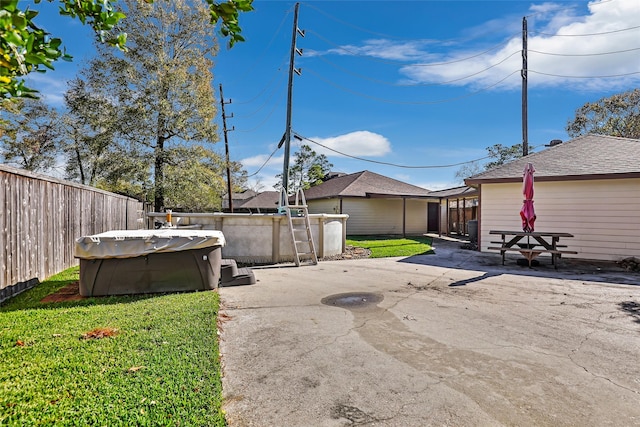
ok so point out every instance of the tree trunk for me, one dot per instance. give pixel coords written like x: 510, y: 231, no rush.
x: 80, y: 168
x: 159, y: 175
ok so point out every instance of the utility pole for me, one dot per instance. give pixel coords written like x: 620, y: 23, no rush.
x: 287, y: 132
x: 525, y: 125
x: 226, y: 147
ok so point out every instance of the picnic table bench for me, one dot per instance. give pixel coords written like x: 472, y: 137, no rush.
x: 531, y: 244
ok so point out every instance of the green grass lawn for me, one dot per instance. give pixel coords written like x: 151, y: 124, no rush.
x: 160, y: 368
x: 385, y: 246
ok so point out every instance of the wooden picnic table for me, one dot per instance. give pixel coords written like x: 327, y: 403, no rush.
x: 532, y: 244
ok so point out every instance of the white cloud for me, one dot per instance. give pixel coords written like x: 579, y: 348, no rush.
x: 563, y: 44
x: 260, y: 159
x: 265, y: 170
x: 380, y: 48
x: 51, y: 88
x: 560, y: 46
x: 359, y: 143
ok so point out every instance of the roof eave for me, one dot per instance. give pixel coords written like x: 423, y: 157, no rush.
x: 591, y: 177
x: 398, y: 196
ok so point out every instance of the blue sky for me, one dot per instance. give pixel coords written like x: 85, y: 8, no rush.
x: 406, y: 83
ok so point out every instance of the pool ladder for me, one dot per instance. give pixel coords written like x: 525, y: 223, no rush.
x: 300, y: 228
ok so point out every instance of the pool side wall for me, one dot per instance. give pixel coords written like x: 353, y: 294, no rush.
x: 264, y: 238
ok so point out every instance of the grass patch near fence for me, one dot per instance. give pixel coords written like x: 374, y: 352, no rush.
x: 385, y: 246
x: 116, y: 361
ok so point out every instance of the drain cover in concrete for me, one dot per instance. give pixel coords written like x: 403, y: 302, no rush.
x: 352, y: 299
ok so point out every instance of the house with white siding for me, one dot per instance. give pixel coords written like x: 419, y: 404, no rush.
x: 588, y: 186
x: 376, y: 204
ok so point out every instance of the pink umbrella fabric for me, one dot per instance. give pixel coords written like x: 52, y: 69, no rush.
x: 528, y: 213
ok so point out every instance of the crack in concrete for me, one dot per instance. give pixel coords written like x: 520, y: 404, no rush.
x: 575, y: 351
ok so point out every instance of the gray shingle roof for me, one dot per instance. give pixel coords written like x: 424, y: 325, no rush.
x: 363, y: 184
x: 585, y: 157
x: 462, y: 191
x: 263, y: 200
x: 238, y: 198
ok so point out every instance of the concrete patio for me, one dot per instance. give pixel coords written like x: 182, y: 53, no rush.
x: 453, y: 338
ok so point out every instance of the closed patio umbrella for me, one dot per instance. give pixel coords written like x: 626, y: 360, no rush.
x: 528, y: 213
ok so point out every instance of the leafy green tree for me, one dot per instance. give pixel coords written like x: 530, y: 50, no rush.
x: 90, y: 128
x: 308, y: 170
x: 617, y: 115
x: 156, y: 94
x: 500, y: 154
x: 125, y: 174
x: 30, y: 135
x: 194, y: 179
x: 27, y: 48
x: 239, y: 177
x: 97, y: 153
x: 503, y: 154
x: 468, y: 169
x: 7, y: 108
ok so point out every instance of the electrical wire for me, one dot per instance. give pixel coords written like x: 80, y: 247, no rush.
x: 585, y: 35
x: 364, y: 30
x: 387, y: 163
x: 349, y: 24
x: 351, y: 52
x: 386, y: 61
x: 259, y: 57
x: 265, y: 163
x: 441, y: 101
x: 416, y: 65
x: 274, y: 91
x: 275, y: 75
x: 275, y: 106
x: 585, y: 77
x: 584, y: 54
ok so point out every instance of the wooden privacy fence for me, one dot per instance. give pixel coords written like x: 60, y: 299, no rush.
x: 40, y: 218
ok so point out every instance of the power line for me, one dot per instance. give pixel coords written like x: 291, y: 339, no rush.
x: 390, y: 101
x: 375, y: 33
x: 275, y: 89
x: 416, y: 65
x: 259, y: 57
x: 265, y: 163
x: 275, y: 106
x: 354, y: 52
x: 386, y: 61
x: 586, y: 34
x: 349, y: 24
x: 585, y: 54
x: 387, y: 163
x: 586, y: 77
x: 275, y: 75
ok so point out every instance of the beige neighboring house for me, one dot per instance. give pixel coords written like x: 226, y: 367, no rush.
x: 376, y: 204
x: 252, y: 202
x: 237, y: 198
x: 263, y: 202
x: 588, y: 186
